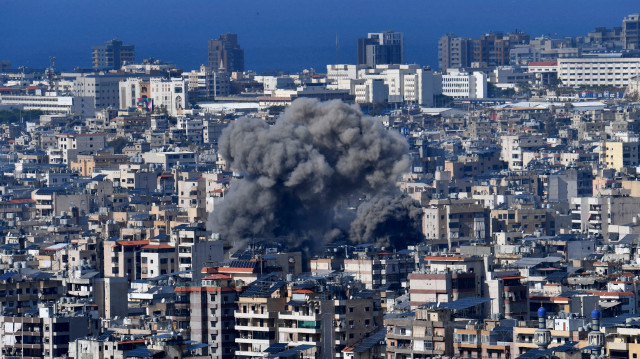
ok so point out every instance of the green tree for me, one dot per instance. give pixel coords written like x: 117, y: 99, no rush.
x: 118, y: 144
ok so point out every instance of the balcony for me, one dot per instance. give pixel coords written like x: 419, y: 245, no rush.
x: 252, y: 328
x: 297, y: 316
x: 617, y: 346
x: 251, y: 314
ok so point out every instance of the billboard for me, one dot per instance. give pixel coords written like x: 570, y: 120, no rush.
x: 145, y: 104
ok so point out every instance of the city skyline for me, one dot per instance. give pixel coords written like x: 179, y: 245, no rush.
x: 283, y: 35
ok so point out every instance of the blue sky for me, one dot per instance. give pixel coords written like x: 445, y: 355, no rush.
x: 278, y: 34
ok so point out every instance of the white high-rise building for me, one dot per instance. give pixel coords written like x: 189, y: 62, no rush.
x: 170, y: 95
x: 615, y: 72
x: 464, y: 85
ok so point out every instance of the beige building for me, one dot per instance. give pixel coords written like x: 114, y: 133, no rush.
x: 513, y: 147
x: 453, y: 221
x: 618, y: 155
x: 73, y: 144
x: 157, y: 259
x: 428, y: 334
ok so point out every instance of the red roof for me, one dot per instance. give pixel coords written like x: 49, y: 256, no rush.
x: 158, y: 246
x: 303, y: 291
x: 235, y: 270
x: 21, y: 200
x: 131, y: 341
x: 133, y: 243
x: 544, y: 63
x: 32, y: 87
x: 512, y: 277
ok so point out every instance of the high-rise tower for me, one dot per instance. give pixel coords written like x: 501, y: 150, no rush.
x: 381, y: 48
x: 631, y: 32
x: 113, y: 55
x: 225, y: 54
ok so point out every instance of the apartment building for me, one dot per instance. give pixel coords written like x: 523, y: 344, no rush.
x: 513, y: 147
x: 103, y: 89
x: 380, y: 269
x: 446, y: 279
x: 20, y: 293
x: 158, y: 259
x: 211, y: 308
x: 113, y: 55
x: 44, y: 335
x: 123, y: 258
x: 618, y: 155
x: 74, y: 144
x: 464, y: 85
x: 486, y: 340
x: 381, y: 48
x: 52, y: 103
x: 614, y: 72
x: 523, y: 218
x: 426, y: 334
x: 225, y: 54
x: 257, y: 316
x: 449, y: 222
x: 595, y: 215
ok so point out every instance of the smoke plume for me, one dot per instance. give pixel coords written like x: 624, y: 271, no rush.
x: 299, y: 172
x: 388, y: 220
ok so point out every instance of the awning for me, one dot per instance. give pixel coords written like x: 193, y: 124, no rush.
x: 611, y: 304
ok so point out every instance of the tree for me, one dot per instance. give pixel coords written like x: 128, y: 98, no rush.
x: 118, y: 144
x: 16, y: 115
x: 524, y: 87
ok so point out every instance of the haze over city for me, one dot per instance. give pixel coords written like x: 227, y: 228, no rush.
x: 287, y: 35
x: 328, y: 179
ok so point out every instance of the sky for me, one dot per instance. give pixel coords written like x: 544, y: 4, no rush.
x: 284, y: 35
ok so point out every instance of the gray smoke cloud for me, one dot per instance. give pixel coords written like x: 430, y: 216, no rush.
x: 299, y: 172
x: 388, y: 220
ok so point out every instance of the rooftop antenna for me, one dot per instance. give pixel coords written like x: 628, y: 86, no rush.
x: 51, y: 71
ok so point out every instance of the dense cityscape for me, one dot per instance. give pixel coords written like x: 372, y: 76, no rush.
x: 486, y: 207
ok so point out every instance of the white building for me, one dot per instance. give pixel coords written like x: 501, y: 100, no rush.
x: 51, y: 103
x: 341, y: 72
x: 170, y: 95
x: 545, y: 72
x: 103, y: 88
x: 371, y: 91
x: 510, y: 76
x: 129, y: 91
x: 73, y: 144
x: 206, y: 83
x: 459, y: 84
x: 513, y: 147
x: 617, y: 72
x: 167, y: 160
x: 404, y: 83
x: 421, y: 86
